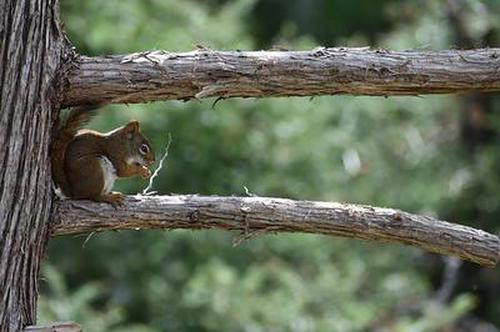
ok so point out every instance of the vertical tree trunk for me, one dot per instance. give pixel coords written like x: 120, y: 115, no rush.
x: 31, y: 52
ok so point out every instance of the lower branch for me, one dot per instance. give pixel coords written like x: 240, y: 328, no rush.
x: 56, y: 327
x: 259, y: 215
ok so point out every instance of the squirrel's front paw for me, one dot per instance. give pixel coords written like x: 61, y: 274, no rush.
x: 145, y: 173
x: 114, y: 198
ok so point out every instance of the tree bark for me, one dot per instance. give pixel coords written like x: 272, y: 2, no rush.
x: 56, y: 327
x: 39, y: 74
x: 31, y: 51
x: 259, y: 215
x: 160, y: 75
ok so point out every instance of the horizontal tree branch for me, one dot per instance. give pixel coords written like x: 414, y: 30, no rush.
x: 259, y: 215
x: 55, y: 327
x: 159, y: 75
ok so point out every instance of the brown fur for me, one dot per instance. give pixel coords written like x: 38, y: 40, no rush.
x: 76, y: 157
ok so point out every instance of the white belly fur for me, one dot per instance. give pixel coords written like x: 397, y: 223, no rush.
x: 109, y: 174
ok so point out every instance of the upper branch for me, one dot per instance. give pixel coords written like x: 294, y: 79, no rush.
x: 259, y: 215
x: 149, y: 76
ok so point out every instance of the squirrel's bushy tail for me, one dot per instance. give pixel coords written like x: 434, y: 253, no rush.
x: 76, y: 119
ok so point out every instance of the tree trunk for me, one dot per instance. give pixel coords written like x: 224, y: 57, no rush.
x: 31, y: 51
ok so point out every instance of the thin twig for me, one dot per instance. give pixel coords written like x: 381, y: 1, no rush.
x: 146, y: 190
x: 87, y: 239
x: 449, y: 280
x: 248, y: 192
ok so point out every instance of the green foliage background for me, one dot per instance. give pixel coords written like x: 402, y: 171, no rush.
x: 405, y: 152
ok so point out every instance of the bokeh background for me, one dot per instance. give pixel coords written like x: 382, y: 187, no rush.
x: 435, y: 155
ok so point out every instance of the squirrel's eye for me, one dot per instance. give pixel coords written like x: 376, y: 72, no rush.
x: 144, y: 149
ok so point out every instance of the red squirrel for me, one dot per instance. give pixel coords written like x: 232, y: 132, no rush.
x: 86, y: 163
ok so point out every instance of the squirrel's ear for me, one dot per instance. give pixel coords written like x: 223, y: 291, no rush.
x: 132, y: 127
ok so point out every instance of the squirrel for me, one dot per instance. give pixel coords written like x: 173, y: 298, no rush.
x: 86, y: 163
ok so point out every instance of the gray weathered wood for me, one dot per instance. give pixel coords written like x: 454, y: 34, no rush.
x: 56, y: 327
x: 160, y: 75
x: 260, y: 215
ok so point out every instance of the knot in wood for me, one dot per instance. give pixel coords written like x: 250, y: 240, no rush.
x: 194, y: 216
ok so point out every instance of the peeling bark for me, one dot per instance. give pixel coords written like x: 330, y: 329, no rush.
x: 160, y: 75
x: 261, y: 215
